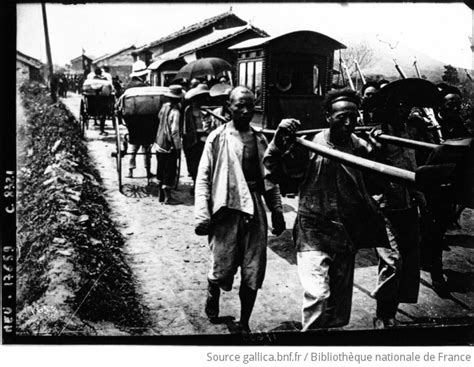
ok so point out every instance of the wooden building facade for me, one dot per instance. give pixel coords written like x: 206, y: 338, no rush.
x: 27, y: 68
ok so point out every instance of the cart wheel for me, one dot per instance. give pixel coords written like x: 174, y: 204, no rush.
x: 118, y: 156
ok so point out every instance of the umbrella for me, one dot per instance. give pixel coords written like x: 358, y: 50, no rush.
x: 212, y: 66
x: 418, y: 92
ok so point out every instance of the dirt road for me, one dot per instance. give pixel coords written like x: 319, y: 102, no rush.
x: 170, y: 262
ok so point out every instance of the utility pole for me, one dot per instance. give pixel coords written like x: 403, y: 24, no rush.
x: 52, y: 85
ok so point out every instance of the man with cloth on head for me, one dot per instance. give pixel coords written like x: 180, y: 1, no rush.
x: 168, y: 141
x: 229, y: 208
x: 336, y: 214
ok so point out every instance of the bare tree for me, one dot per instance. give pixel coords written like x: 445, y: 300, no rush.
x: 362, y: 52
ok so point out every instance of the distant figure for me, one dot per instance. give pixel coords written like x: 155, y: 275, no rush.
x: 194, y: 83
x: 224, y: 79
x: 219, y: 93
x: 369, y: 90
x: 117, y: 83
x: 62, y: 85
x: 93, y: 73
x: 449, y: 113
x: 193, y: 127
x: 139, y: 72
x: 383, y: 83
x: 106, y: 73
x: 98, y: 76
x: 168, y: 141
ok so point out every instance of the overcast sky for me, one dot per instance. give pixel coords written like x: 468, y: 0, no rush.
x: 439, y: 30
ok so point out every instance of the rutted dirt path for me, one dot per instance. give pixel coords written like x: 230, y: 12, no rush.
x: 170, y: 262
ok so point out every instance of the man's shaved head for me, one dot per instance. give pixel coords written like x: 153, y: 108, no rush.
x: 241, y: 106
x: 237, y: 91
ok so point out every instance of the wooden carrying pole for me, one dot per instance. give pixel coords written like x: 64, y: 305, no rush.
x: 316, y: 131
x: 48, y: 53
x: 395, y: 174
x: 395, y: 140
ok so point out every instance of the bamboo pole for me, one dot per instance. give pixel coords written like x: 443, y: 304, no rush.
x: 408, y: 143
x: 395, y: 174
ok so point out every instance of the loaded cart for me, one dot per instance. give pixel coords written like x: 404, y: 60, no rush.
x: 138, y: 108
x: 98, y: 101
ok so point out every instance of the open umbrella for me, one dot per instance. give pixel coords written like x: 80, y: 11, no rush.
x: 418, y: 92
x: 212, y: 66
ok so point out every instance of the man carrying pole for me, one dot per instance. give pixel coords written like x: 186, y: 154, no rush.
x: 399, y: 274
x: 336, y: 215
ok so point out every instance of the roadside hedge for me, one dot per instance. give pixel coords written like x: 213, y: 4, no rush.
x: 71, y: 269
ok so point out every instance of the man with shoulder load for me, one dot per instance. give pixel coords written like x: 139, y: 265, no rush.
x: 138, y: 79
x: 440, y: 204
x: 228, y: 208
x: 103, y: 89
x: 402, y: 204
x: 336, y: 214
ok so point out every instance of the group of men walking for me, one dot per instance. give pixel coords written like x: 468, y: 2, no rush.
x: 234, y: 169
x: 182, y: 126
x: 338, y: 211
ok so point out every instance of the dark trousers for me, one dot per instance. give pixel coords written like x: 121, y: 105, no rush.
x: 193, y: 156
x: 167, y: 167
x: 404, y: 260
x: 434, y: 225
x: 102, y: 123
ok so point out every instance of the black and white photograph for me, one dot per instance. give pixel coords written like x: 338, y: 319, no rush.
x: 296, y: 174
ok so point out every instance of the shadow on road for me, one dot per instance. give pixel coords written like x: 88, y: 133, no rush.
x: 366, y: 257
x: 461, y: 240
x: 459, y: 282
x: 283, y: 246
x: 288, y: 326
